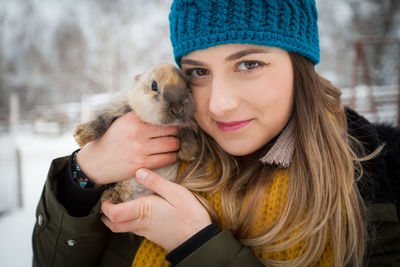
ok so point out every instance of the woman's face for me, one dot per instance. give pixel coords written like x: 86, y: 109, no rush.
x: 243, y: 94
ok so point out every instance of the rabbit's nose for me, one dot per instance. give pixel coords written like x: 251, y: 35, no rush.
x: 177, y: 109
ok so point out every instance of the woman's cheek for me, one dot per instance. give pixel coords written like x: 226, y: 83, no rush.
x: 201, y: 114
x: 200, y: 98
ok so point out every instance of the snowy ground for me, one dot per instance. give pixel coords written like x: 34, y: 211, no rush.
x: 16, y: 226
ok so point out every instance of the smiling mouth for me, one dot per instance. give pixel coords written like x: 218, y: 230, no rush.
x: 232, y: 126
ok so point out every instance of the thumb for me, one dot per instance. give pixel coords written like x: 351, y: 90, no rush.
x: 160, y: 185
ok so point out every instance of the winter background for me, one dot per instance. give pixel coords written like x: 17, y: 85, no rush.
x: 60, y: 60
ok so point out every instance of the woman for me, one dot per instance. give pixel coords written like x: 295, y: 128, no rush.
x: 278, y: 181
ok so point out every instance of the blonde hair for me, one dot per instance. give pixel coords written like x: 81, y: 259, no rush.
x: 323, y: 202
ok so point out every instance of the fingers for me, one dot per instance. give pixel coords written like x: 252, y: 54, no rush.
x: 170, y: 191
x: 116, y: 227
x: 162, y: 145
x: 135, y: 226
x: 167, y: 219
x: 161, y: 130
x: 123, y: 211
x: 131, y: 216
x: 160, y: 160
x: 120, y: 217
x: 153, y: 130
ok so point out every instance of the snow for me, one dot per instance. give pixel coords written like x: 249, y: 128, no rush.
x: 16, y: 227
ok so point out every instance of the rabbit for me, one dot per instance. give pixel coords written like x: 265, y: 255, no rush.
x: 160, y: 96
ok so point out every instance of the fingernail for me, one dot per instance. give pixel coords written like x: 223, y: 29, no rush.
x: 141, y: 174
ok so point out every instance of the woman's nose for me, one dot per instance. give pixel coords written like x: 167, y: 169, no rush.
x: 223, y: 98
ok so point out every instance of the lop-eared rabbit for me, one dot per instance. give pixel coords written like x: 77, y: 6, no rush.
x: 160, y: 96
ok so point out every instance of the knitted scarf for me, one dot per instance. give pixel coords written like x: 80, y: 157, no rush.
x: 150, y: 254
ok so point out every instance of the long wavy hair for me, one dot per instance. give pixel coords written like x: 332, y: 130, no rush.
x: 323, y: 202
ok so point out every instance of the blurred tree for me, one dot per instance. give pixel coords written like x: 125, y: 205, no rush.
x: 4, y: 95
x: 71, y: 53
x: 378, y: 19
x: 70, y: 46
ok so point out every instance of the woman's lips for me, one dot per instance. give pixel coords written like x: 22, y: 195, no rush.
x: 232, y: 126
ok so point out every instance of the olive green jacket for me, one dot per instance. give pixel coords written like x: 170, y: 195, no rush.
x: 62, y: 240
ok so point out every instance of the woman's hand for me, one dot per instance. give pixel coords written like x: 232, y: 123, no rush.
x: 167, y: 219
x: 129, y: 144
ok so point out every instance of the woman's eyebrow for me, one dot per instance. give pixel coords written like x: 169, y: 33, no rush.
x: 192, y: 62
x: 246, y: 52
x: 234, y: 56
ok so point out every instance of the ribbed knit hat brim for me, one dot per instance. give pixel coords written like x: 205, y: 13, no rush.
x: 287, y: 24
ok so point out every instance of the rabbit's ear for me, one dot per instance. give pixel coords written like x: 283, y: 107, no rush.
x: 137, y: 77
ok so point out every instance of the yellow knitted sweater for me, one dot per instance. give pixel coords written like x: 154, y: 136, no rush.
x: 150, y: 254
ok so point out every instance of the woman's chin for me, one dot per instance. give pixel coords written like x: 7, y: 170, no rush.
x: 238, y: 150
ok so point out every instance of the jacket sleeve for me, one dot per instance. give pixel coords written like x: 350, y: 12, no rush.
x: 60, y: 239
x: 221, y: 250
x: 384, y: 245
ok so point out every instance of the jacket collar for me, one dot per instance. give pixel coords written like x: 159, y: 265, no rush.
x: 281, y: 152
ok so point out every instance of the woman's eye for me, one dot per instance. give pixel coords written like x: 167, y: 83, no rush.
x: 248, y: 65
x: 198, y: 72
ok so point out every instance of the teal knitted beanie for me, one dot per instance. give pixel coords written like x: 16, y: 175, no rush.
x: 287, y: 24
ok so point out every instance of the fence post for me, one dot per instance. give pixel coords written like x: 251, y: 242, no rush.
x: 14, y: 122
x: 14, y: 117
x: 398, y: 83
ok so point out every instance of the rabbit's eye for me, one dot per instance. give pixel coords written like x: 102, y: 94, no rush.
x: 154, y: 86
